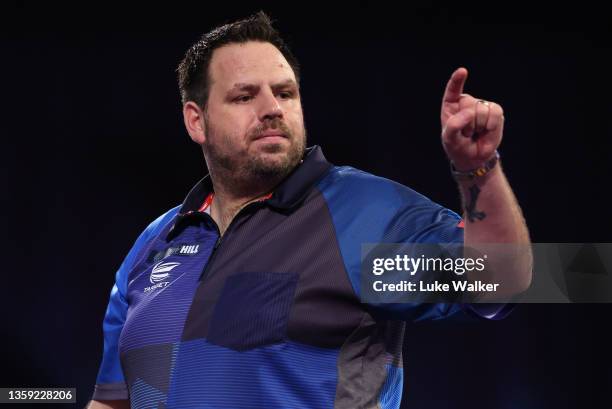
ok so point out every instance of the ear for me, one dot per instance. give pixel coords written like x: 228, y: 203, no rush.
x: 194, y: 118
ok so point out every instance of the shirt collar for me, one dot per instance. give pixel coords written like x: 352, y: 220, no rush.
x: 288, y: 194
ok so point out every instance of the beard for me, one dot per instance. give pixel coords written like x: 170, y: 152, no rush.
x: 245, y: 172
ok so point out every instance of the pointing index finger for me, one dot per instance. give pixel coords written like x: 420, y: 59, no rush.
x: 454, y: 88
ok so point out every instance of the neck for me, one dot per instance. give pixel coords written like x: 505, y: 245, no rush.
x: 232, y: 195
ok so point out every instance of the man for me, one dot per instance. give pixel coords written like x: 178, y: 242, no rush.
x: 247, y: 295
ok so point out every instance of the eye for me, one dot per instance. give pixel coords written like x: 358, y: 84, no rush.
x: 242, y: 98
x: 286, y: 94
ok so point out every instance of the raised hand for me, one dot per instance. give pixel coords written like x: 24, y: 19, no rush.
x: 472, y: 128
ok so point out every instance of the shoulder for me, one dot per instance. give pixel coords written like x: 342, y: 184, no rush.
x: 362, y: 187
x: 157, y: 225
x: 374, y: 209
x: 151, y: 232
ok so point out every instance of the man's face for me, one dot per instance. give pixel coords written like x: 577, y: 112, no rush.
x: 254, y: 125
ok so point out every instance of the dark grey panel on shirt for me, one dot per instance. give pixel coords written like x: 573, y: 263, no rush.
x: 362, y: 362
x: 151, y: 364
x: 324, y: 310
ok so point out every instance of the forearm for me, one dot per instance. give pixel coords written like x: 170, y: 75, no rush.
x: 491, y: 212
x: 492, y: 215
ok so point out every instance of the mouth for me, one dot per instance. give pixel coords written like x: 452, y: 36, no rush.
x: 271, y: 136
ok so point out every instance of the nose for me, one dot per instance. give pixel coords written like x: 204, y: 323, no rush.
x: 269, y: 108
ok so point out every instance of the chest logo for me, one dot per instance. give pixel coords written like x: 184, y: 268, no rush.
x: 161, y: 271
x: 193, y: 249
x: 189, y: 250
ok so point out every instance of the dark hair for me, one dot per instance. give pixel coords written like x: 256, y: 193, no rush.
x: 193, y: 78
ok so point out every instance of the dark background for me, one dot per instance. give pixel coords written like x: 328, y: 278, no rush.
x: 93, y: 149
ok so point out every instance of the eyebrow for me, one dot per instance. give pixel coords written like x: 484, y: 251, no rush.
x: 242, y: 86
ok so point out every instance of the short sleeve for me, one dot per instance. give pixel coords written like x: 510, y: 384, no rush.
x: 423, y: 222
x: 367, y: 209
x: 439, y: 226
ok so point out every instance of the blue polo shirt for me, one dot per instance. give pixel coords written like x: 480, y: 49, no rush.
x: 269, y: 315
